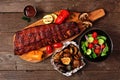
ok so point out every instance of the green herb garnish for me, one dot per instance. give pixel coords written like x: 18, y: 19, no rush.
x: 26, y: 18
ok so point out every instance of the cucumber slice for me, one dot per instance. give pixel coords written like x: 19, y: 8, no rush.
x: 88, y: 52
x: 90, y: 39
x: 100, y: 41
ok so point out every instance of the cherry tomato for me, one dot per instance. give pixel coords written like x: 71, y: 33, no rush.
x: 95, y: 41
x: 102, y: 46
x: 57, y: 45
x: 97, y: 51
x: 94, y: 34
x: 49, y: 49
x: 90, y: 45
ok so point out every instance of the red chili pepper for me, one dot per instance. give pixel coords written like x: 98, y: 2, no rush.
x: 57, y: 45
x: 62, y: 16
x: 49, y: 49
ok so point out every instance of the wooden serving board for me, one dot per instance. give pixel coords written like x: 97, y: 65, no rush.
x: 74, y: 16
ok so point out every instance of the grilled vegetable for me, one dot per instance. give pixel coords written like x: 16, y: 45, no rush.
x: 62, y: 16
x: 48, y: 19
x: 66, y: 60
x: 54, y: 16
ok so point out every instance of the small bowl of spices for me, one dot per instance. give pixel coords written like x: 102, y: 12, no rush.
x: 30, y: 11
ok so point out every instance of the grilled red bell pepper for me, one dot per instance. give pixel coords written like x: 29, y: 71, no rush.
x: 62, y: 16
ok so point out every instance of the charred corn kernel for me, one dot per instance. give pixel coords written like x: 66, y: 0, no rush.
x: 66, y: 60
x: 47, y: 19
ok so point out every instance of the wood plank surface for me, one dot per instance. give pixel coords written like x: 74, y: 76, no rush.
x: 13, y: 68
x: 54, y: 75
x: 54, y: 5
x: 106, y: 65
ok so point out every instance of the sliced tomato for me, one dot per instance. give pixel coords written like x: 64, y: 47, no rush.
x: 57, y: 45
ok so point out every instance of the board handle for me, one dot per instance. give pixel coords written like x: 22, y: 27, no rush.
x: 94, y: 15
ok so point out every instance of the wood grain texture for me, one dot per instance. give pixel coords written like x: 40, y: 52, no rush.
x: 16, y: 23
x: 55, y: 5
x: 54, y: 75
x: 7, y: 61
x: 110, y: 64
x: 13, y: 68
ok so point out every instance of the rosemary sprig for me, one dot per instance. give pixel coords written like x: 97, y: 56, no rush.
x: 26, y: 18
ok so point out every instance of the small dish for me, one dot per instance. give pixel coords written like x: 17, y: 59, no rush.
x: 95, y: 45
x: 30, y: 11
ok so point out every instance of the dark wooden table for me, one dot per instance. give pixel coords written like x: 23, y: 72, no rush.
x: 13, y: 68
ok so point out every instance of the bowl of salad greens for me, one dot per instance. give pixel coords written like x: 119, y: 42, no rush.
x: 95, y: 45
